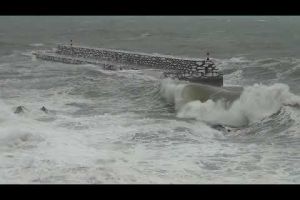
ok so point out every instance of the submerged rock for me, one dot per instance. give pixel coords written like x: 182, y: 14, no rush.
x: 224, y: 129
x: 20, y: 109
x: 219, y: 127
x: 44, y: 109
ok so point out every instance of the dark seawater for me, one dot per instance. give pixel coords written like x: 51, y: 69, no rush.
x: 131, y: 126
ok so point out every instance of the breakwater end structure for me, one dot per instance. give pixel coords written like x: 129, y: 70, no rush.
x: 189, y: 69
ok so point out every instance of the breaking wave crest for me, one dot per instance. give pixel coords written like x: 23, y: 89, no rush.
x: 228, y: 106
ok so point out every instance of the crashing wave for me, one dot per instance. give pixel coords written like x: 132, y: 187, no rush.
x: 228, y: 106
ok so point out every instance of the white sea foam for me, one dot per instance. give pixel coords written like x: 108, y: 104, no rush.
x: 234, y: 78
x: 105, y: 151
x: 255, y: 103
x: 240, y: 59
x: 172, y: 91
x: 37, y: 44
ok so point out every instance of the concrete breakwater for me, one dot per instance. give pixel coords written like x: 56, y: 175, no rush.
x: 131, y: 58
x: 188, y: 69
x: 55, y: 57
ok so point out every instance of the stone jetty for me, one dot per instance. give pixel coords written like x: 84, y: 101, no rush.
x: 119, y: 59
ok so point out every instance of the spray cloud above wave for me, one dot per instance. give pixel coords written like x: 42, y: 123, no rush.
x: 226, y: 107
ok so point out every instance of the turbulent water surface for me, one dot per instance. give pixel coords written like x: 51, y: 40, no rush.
x: 131, y: 126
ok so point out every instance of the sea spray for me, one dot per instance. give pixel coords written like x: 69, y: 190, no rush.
x: 172, y: 92
x: 255, y: 103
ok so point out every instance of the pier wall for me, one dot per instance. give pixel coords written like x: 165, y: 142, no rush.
x: 73, y: 60
x: 59, y: 59
x: 131, y: 58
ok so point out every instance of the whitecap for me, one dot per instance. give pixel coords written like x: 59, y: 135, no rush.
x: 37, y: 44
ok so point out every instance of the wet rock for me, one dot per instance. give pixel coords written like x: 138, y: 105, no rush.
x: 20, y: 109
x: 44, y: 109
x: 149, y: 60
x: 219, y: 127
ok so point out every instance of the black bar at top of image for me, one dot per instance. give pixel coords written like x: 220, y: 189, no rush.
x: 122, y: 7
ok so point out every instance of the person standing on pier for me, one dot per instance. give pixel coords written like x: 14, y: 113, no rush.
x: 71, y: 44
x: 207, y: 56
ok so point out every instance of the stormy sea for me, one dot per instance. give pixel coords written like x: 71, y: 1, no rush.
x: 134, y: 126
